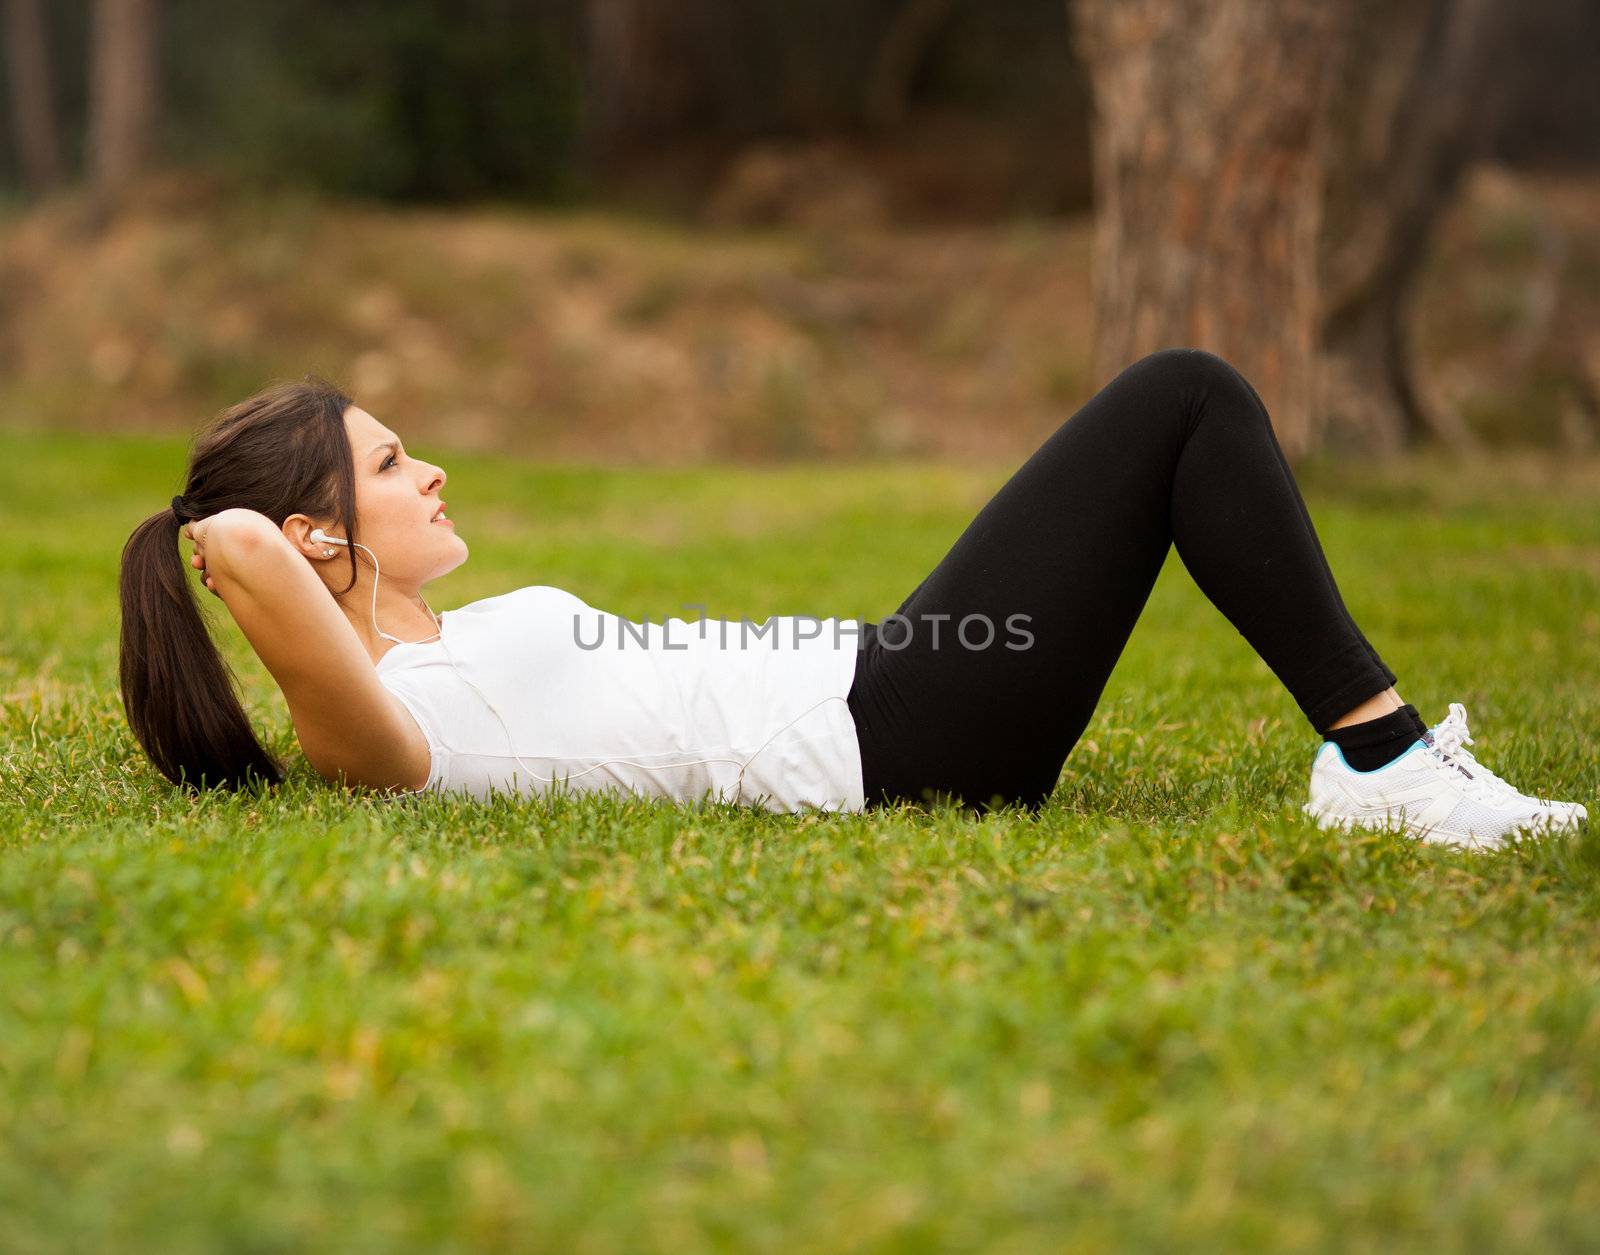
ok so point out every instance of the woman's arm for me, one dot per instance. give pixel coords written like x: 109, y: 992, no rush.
x: 348, y: 724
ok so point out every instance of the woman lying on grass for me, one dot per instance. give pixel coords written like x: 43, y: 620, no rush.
x: 314, y: 526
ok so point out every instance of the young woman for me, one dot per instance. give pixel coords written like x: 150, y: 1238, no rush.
x: 319, y: 531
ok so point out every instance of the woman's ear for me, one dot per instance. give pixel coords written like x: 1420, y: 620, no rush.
x: 297, y: 529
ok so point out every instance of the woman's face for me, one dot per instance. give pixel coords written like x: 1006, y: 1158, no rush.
x: 398, y: 503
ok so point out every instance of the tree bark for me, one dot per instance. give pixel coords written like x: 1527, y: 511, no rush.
x: 904, y: 45
x: 642, y: 77
x: 32, y: 98
x: 1210, y: 140
x: 123, y: 93
x: 1411, y: 112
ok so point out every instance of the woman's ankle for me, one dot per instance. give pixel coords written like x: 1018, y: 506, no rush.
x: 1373, y: 743
x: 1375, y: 707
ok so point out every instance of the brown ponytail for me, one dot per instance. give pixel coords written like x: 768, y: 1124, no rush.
x: 176, y: 689
x: 281, y: 452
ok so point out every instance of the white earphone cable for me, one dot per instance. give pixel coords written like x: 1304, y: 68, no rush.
x: 438, y: 628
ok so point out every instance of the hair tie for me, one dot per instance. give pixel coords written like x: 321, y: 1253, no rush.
x: 181, y: 508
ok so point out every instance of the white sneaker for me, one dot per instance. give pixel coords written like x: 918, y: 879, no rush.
x: 1436, y: 790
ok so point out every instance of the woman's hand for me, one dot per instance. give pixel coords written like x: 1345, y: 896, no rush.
x: 226, y: 544
x: 195, y: 530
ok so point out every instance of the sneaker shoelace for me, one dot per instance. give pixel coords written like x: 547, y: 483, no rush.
x: 1449, y: 740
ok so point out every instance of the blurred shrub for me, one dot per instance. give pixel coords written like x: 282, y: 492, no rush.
x: 453, y: 99
x: 399, y: 99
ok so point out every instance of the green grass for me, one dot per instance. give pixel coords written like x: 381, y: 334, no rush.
x: 1167, y: 1012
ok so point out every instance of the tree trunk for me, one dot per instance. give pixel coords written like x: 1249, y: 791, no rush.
x: 642, y: 76
x: 123, y: 93
x: 33, y: 108
x: 911, y: 30
x: 1411, y: 112
x: 1209, y: 137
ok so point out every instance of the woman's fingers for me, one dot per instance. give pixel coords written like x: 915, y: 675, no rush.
x: 198, y: 558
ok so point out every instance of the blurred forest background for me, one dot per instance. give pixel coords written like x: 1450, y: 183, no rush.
x: 673, y: 230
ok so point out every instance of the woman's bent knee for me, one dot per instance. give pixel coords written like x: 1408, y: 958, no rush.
x: 1206, y: 386
x: 1190, y: 365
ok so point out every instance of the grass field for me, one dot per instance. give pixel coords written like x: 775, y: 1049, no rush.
x: 1167, y: 1012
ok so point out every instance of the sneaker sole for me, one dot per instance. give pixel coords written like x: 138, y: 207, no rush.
x: 1434, y: 836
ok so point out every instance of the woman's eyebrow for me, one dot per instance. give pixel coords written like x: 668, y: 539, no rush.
x: 387, y: 444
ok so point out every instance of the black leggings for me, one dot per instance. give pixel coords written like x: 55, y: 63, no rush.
x: 978, y: 687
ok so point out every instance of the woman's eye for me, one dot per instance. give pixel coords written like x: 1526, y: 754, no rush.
x: 387, y: 463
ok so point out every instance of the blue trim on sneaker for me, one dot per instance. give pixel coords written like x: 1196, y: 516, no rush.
x: 1419, y: 743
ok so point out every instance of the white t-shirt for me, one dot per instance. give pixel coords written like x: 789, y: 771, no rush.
x: 751, y: 713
